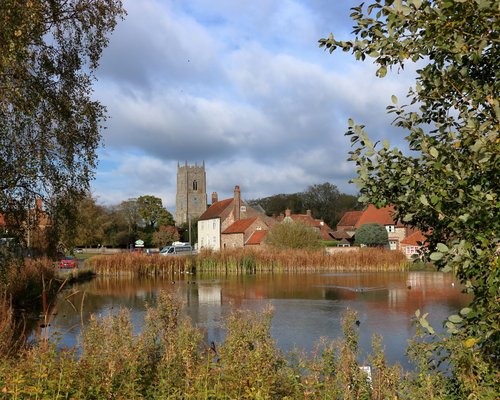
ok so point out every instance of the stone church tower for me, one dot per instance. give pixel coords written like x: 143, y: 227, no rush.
x: 191, y: 196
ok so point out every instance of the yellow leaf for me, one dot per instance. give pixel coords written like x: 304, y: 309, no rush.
x: 470, y: 342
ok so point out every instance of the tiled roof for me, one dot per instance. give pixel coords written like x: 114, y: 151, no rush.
x: 340, y: 235
x: 216, y: 209
x: 350, y: 218
x: 373, y: 215
x: 413, y: 239
x: 256, y: 238
x: 240, y: 226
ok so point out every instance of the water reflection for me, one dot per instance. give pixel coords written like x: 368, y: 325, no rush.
x: 306, y: 306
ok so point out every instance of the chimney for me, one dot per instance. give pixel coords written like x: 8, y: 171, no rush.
x: 215, y: 197
x: 288, y: 212
x: 237, y: 203
x: 308, y: 212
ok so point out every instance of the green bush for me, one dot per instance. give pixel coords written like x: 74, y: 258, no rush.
x: 294, y: 235
x: 371, y: 235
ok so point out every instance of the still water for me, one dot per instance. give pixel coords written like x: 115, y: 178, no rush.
x: 306, y: 306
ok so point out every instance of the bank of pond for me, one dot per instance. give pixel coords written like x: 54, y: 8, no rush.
x: 239, y: 325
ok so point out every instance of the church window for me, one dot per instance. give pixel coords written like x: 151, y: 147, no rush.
x: 195, y: 185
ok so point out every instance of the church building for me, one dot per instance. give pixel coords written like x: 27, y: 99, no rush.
x: 191, y: 196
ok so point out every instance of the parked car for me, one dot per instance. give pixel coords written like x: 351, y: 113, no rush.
x: 78, y: 250
x: 69, y: 262
x: 177, y: 250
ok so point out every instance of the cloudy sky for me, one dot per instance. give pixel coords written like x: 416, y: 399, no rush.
x: 240, y: 84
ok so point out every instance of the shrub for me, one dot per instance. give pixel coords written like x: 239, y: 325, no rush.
x: 294, y: 235
x: 372, y: 235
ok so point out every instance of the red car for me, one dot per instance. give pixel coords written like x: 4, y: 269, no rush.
x: 69, y: 262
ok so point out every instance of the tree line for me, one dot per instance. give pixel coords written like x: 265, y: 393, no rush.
x: 325, y: 201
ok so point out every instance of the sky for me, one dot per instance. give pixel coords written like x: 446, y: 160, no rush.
x: 241, y: 85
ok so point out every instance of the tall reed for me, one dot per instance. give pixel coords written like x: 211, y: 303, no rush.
x: 249, y: 261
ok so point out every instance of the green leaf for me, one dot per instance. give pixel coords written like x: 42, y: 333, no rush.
x: 456, y: 319
x: 442, y: 248
x: 394, y: 99
x: 465, y: 311
x: 434, y: 153
x: 424, y: 200
x: 436, y: 256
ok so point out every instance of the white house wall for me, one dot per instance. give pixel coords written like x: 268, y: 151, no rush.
x: 209, y: 234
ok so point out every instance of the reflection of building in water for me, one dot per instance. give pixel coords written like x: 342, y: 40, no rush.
x: 210, y: 294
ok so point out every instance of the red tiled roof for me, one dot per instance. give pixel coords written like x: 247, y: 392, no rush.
x: 350, y: 218
x: 413, y: 239
x: 256, y: 238
x: 373, y: 215
x: 240, y: 226
x: 340, y: 235
x: 216, y: 209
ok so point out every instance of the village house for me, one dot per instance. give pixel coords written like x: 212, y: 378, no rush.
x: 230, y: 223
x: 352, y: 220
x: 410, y: 245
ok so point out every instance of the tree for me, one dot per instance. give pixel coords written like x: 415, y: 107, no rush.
x: 448, y: 184
x: 165, y: 236
x: 322, y: 200
x: 293, y: 235
x: 89, y: 229
x: 49, y: 122
x: 151, y: 210
x: 371, y: 235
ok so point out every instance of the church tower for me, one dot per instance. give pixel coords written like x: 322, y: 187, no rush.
x: 191, y: 196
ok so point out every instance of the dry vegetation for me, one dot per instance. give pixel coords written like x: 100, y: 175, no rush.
x: 242, y: 260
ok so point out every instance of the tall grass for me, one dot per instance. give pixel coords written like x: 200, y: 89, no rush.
x: 243, y: 260
x: 169, y: 359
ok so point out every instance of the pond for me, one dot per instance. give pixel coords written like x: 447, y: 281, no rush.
x: 307, y: 306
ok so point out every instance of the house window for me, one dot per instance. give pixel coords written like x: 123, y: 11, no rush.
x: 393, y: 245
x: 213, y: 224
x: 243, y: 209
x: 390, y: 228
x: 195, y: 185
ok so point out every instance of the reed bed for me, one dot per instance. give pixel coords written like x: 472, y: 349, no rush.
x: 248, y: 261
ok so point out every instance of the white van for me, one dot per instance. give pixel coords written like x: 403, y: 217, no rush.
x: 177, y: 249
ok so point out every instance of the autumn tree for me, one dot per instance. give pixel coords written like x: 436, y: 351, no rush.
x: 49, y: 120
x: 447, y: 184
x: 152, y: 212
x: 165, y: 236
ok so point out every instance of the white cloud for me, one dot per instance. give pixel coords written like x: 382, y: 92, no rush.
x: 241, y: 85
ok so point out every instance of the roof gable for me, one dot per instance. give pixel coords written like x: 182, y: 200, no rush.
x: 240, y: 226
x: 256, y: 238
x: 350, y: 218
x: 373, y: 215
x: 216, y: 209
x: 412, y: 239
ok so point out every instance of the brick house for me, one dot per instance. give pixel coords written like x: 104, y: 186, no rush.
x: 239, y: 232
x: 221, y: 215
x: 410, y: 245
x: 383, y: 216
